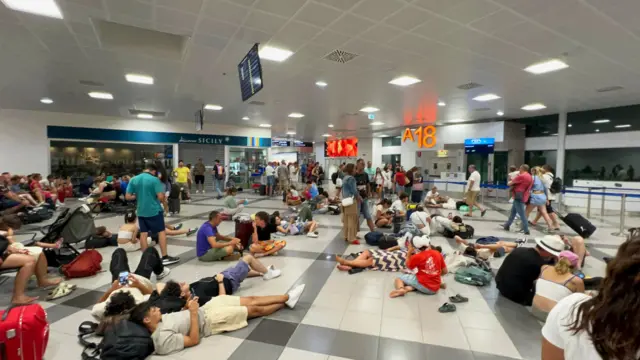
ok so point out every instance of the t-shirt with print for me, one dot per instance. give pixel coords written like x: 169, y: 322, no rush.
x: 429, y: 264
x: 146, y: 188
x: 170, y: 333
x: 556, y: 330
x: 398, y: 205
x: 182, y: 174
x: 202, y: 238
x: 475, y: 177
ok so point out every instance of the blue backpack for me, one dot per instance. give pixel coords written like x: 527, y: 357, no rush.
x: 373, y: 238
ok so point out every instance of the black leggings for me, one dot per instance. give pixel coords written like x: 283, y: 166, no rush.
x: 149, y: 262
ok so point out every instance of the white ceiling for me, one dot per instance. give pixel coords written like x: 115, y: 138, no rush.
x: 445, y: 43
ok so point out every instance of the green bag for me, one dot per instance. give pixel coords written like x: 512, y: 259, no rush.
x: 473, y: 275
x: 465, y: 208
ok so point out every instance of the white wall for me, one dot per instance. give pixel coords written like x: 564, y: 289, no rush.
x: 25, y: 147
x: 586, y: 141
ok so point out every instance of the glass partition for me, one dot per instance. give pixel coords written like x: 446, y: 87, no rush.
x: 243, y: 162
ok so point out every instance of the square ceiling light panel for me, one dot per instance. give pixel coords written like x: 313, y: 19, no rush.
x: 404, y: 81
x: 47, y: 8
x: 139, y: 79
x: 486, y: 97
x: 546, y: 66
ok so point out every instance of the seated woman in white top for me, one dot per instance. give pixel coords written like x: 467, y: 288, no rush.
x: 400, y: 205
x: 127, y: 234
x: 606, y: 326
x: 384, y: 216
x: 421, y: 220
x: 432, y: 195
x: 556, y: 283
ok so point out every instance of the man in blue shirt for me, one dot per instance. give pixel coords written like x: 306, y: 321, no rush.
x: 147, y: 189
x: 312, y: 190
x: 213, y: 246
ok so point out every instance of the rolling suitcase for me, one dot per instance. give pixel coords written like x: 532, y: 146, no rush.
x: 263, y: 190
x: 24, y: 333
x: 579, y: 224
x: 244, y: 231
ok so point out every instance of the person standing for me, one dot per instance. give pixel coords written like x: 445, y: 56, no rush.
x: 547, y: 179
x: 303, y: 172
x: 283, y: 179
x: 364, y: 189
x: 350, y: 212
x: 293, y: 174
x: 371, y: 172
x: 269, y: 173
x: 181, y: 174
x: 388, y: 180
x: 473, y: 189
x: 218, y: 178
x: 198, y: 173
x: 520, y: 188
x: 149, y: 192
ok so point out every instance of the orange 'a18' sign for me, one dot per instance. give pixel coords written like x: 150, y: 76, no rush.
x: 425, y: 136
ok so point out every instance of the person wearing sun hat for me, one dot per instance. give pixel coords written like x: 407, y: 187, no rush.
x: 428, y: 267
x: 521, y: 268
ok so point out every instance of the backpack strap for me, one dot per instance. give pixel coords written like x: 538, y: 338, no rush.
x: 91, y: 350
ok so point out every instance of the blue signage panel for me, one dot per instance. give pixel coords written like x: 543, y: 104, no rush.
x: 479, y: 146
x: 78, y: 133
x: 250, y: 73
x: 479, y: 141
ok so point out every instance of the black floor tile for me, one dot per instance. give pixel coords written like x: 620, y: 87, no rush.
x: 273, y: 332
x: 256, y: 350
x: 84, y: 301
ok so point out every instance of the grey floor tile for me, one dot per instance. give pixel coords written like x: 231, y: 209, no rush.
x: 355, y: 346
x: 401, y: 350
x: 273, y: 332
x: 294, y: 315
x: 441, y: 352
x: 256, y: 350
x: 84, y: 301
x: 59, y: 312
x: 313, y: 338
x: 244, y: 333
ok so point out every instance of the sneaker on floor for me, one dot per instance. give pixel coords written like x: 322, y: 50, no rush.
x: 165, y: 272
x: 502, y: 227
x: 312, y: 234
x: 483, y: 212
x: 168, y: 260
x: 524, y: 232
x: 178, y: 226
x: 271, y: 273
x: 294, y: 295
x: 203, y: 191
x: 192, y: 231
x: 520, y: 242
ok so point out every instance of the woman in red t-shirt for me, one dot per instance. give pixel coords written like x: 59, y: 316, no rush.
x: 37, y: 190
x: 400, y: 180
x: 430, y: 266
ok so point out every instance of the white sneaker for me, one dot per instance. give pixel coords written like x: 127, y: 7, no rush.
x: 203, y: 191
x: 165, y: 272
x: 312, y: 235
x: 294, y: 296
x: 197, y: 191
x: 271, y: 273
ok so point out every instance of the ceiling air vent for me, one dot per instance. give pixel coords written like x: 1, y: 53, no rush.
x: 91, y: 83
x: 254, y: 102
x: 155, y: 114
x: 340, y: 56
x: 609, y: 88
x: 469, y: 86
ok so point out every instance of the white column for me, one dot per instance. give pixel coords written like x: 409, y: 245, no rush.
x: 176, y: 156
x: 562, y: 135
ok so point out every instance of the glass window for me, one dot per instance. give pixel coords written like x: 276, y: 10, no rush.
x: 540, y: 157
x: 604, y: 120
x: 540, y: 125
x: 602, y: 164
x: 393, y: 159
x: 391, y: 141
x: 500, y: 167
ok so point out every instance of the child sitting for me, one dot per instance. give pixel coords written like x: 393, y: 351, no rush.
x: 430, y: 267
x: 293, y: 197
x: 311, y: 191
x: 231, y: 206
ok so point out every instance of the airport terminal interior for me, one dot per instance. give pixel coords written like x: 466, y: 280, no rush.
x: 122, y: 117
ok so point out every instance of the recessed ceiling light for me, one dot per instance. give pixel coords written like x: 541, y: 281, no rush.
x: 404, y: 81
x: 321, y: 83
x: 213, y: 107
x: 265, y: 125
x: 369, y: 109
x: 376, y: 123
x: 597, y: 130
x: 500, y: 113
x: 296, y: 115
x: 274, y: 54
x: 622, y: 126
x: 534, y: 107
x: 442, y: 103
x: 245, y: 118
x: 457, y: 120
x: 486, y: 97
x: 291, y: 132
x: 546, y: 66
x: 601, y: 121
x: 570, y: 125
x: 383, y: 136
x: 556, y: 134
x: 101, y: 95
x: 139, y: 79
x: 46, y: 101
x: 326, y: 135
x: 145, y: 116
x: 330, y: 125
x: 47, y: 8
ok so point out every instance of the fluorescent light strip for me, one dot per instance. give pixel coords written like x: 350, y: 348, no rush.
x: 486, y: 97
x: 274, y: 54
x: 47, y: 8
x: 500, y: 113
x: 442, y: 103
x: 457, y: 120
x: 246, y: 118
x: 622, y: 126
x: 46, y: 101
x: 265, y: 125
x: 291, y: 132
x: 296, y: 115
x: 369, y: 109
x: 321, y: 83
x: 325, y: 135
x: 376, y: 123
x: 145, y: 116
x: 213, y: 107
x: 139, y: 79
x: 330, y: 125
x: 534, y: 107
x: 601, y: 121
x: 546, y: 66
x: 101, y: 95
x: 404, y: 81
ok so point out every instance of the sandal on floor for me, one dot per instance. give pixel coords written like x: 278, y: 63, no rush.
x: 458, y: 299
x: 447, y: 308
x: 62, y: 290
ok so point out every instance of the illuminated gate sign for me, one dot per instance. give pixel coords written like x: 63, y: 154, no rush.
x: 425, y: 136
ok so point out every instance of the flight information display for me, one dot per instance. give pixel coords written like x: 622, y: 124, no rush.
x: 250, y: 73
x: 479, y: 146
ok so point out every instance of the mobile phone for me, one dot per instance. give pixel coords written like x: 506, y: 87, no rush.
x: 123, y: 278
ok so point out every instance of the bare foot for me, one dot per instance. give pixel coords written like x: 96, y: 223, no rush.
x: 460, y: 240
x: 343, y: 267
x: 50, y: 282
x: 340, y: 260
x: 443, y: 285
x: 23, y: 300
x: 397, y: 293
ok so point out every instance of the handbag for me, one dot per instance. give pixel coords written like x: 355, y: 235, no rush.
x: 347, y: 201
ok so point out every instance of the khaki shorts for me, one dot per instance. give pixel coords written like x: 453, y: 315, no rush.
x: 214, y: 254
x: 224, y: 313
x: 471, y: 197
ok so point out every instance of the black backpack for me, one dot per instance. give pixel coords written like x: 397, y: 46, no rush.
x: 556, y: 185
x: 124, y: 340
x: 464, y: 231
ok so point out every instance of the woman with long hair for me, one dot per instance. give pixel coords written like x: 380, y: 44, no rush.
x: 378, y: 179
x: 605, y: 326
x: 350, y: 215
x: 547, y: 179
x: 538, y: 198
x: 388, y: 179
x: 555, y: 283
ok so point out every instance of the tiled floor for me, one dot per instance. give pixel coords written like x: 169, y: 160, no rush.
x: 339, y: 316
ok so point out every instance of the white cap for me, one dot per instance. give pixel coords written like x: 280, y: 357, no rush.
x: 421, y: 241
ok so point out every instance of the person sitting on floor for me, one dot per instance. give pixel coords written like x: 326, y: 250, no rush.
x: 296, y: 225
x: 293, y: 197
x: 311, y: 191
x: 400, y: 206
x: 102, y: 190
x: 429, y: 265
x: 19, y: 187
x: 555, y: 283
x: 384, y: 215
x: 128, y: 233
x: 138, y: 284
x: 213, y: 246
x: 421, y: 220
x: 517, y: 275
x: 10, y: 223
x: 577, y: 246
x: 231, y: 207
x: 37, y: 191
x: 496, y: 247
x: 432, y: 195
x: 176, y: 331
x: 261, y: 243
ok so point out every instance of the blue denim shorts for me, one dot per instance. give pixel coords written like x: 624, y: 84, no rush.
x: 271, y: 180
x: 365, y: 210
x: 411, y: 280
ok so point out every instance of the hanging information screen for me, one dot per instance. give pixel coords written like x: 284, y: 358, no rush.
x: 250, y: 73
x: 479, y: 146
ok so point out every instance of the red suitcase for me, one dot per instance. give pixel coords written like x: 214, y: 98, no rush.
x: 244, y: 231
x: 24, y: 333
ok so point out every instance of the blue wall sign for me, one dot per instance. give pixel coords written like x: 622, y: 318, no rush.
x: 479, y: 141
x: 78, y: 133
x: 372, y: 116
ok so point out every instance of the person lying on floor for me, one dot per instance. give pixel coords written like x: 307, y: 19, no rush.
x: 384, y: 214
x: 213, y: 246
x: 439, y: 223
x: 392, y: 259
x: 296, y: 225
x: 422, y: 220
x: 176, y: 331
x: 173, y: 296
x: 231, y: 206
x: 138, y: 284
x: 261, y: 243
x: 496, y: 247
x: 429, y: 265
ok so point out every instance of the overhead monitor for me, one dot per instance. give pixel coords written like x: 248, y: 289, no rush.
x: 250, y: 73
x: 341, y: 148
x: 479, y: 146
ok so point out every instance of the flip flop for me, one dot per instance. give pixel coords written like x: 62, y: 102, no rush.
x: 458, y: 299
x: 447, y: 308
x: 62, y: 290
